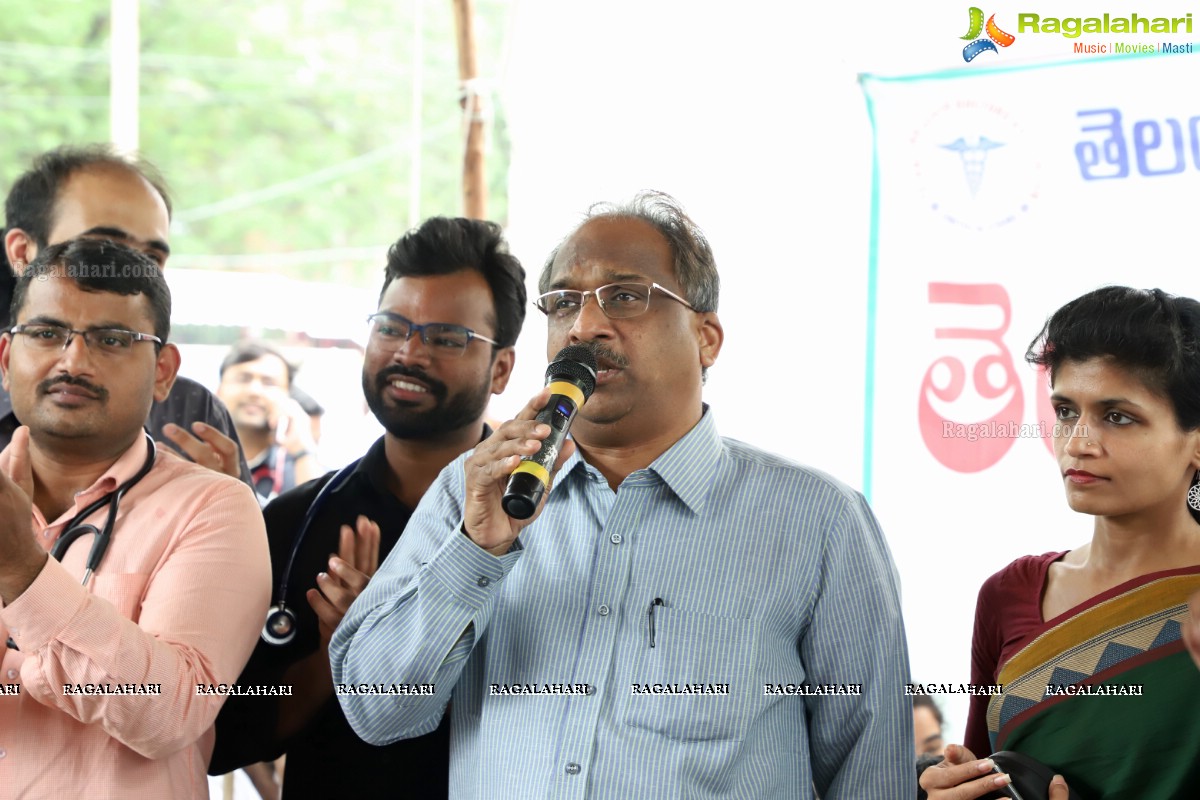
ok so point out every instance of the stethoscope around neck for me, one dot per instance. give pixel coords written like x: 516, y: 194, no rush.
x: 281, y: 624
x: 103, y: 535
x: 75, y: 528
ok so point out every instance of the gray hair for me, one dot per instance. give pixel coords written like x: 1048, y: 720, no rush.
x: 695, y: 267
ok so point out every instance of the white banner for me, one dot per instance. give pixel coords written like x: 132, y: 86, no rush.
x: 1000, y: 194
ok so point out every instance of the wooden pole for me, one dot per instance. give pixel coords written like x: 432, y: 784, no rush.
x: 474, y: 179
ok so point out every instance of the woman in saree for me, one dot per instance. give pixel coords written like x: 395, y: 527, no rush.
x: 1089, y: 644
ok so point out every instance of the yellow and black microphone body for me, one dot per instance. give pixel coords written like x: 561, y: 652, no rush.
x: 571, y: 378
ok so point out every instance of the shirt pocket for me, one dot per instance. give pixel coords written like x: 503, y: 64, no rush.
x: 124, y: 590
x: 710, y: 655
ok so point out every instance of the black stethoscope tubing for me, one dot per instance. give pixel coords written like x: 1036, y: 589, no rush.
x: 75, y: 529
x: 103, y: 535
x: 281, y: 622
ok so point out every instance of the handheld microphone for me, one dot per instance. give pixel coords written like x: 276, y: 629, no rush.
x: 571, y: 377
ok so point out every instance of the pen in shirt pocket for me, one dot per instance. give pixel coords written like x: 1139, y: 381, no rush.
x: 656, y: 602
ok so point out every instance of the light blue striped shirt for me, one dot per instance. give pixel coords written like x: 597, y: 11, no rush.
x: 760, y: 572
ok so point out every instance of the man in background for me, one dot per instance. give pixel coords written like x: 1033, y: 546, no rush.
x: 92, y: 191
x: 927, y: 726
x: 275, y: 433
x: 441, y: 344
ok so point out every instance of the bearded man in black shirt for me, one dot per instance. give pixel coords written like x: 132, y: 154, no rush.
x: 441, y: 343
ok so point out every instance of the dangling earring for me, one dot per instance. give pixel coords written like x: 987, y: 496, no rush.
x: 1194, y: 493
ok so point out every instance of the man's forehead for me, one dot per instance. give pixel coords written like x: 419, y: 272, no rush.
x: 613, y: 249
x: 577, y: 274
x: 63, y: 300
x: 116, y: 233
x: 459, y: 297
x: 109, y: 202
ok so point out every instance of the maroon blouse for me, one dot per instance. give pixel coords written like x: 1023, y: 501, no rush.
x: 1008, y: 610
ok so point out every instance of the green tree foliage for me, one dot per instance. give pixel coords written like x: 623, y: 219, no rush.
x: 283, y: 127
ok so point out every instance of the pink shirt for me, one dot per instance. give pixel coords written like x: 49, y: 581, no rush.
x: 178, y: 600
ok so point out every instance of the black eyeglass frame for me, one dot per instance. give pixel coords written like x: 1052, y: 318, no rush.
x: 88, y: 335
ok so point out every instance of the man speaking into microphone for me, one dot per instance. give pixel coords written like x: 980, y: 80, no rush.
x: 635, y: 635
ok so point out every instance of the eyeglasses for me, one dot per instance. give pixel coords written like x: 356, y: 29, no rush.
x: 617, y: 301
x: 106, y: 341
x: 443, y: 339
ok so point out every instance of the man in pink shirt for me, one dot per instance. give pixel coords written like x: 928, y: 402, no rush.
x: 106, y: 686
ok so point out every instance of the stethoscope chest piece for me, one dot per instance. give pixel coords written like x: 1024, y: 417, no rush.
x: 281, y: 624
x: 280, y: 627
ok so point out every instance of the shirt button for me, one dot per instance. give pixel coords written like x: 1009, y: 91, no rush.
x: 3, y: 752
x: 483, y: 582
x: 602, y: 610
x: 572, y: 768
x: 615, y: 538
x: 12, y: 673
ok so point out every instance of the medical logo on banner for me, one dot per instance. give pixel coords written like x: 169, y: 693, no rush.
x: 974, y: 165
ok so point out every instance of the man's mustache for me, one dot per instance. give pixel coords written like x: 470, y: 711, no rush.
x: 603, y: 351
x: 70, y: 380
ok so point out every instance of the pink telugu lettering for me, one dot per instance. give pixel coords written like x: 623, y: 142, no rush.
x: 958, y: 454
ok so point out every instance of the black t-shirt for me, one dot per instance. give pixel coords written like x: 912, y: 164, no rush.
x: 327, y: 759
x: 188, y: 402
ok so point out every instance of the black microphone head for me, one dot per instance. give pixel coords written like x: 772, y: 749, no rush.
x: 575, y: 363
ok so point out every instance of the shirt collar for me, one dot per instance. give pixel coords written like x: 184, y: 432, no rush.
x: 265, y: 457
x: 121, y: 470
x: 688, y: 468
x: 372, y: 468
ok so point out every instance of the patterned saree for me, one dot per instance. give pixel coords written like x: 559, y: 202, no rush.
x: 1108, y: 696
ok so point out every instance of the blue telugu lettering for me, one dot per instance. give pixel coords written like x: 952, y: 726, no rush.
x: 1154, y: 153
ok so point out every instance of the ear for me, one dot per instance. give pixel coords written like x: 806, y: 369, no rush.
x: 19, y: 248
x: 502, y: 367
x: 711, y: 336
x: 5, y: 351
x: 166, y: 368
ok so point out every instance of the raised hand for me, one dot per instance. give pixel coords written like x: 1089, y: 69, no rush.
x: 349, y: 571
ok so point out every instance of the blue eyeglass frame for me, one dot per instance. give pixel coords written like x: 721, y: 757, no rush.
x: 418, y: 328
